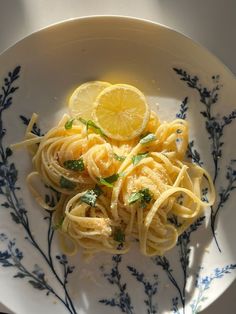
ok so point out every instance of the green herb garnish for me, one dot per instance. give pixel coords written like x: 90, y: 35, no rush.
x: 148, y: 138
x: 108, y: 181
x: 90, y: 196
x: 134, y: 197
x: 144, y: 196
x: 67, y: 184
x: 76, y: 165
x: 69, y: 123
x: 119, y: 158
x: 136, y: 159
x: 93, y: 126
x: 98, y: 190
x: 119, y: 235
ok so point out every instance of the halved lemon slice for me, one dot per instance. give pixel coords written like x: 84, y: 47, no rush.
x: 82, y: 100
x: 121, y: 111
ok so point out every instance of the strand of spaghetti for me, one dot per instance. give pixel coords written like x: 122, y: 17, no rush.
x: 72, y: 160
x: 39, y: 198
x: 189, y: 221
x: 163, y: 198
x: 63, y: 120
x: 130, y: 222
x: 180, y: 176
x: 32, y: 121
x: 118, y: 184
x: 68, y: 245
x: 206, y: 174
x: 127, y: 162
x: 26, y: 142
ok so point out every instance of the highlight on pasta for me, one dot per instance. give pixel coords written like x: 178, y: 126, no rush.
x: 115, y: 186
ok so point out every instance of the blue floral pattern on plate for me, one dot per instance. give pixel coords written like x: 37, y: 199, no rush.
x: 12, y: 256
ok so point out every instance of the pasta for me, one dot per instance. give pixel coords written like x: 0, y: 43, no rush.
x: 120, y: 179
x: 115, y: 192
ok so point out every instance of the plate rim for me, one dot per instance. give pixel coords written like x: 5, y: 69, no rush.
x: 120, y: 17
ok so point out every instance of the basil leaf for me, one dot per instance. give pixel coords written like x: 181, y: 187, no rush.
x: 136, y: 159
x: 148, y: 138
x: 119, y: 158
x: 90, y: 196
x: 109, y: 180
x: 69, y: 123
x: 92, y: 125
x: 67, y: 184
x: 119, y: 235
x: 76, y: 165
x: 104, y: 182
x: 144, y: 196
x: 97, y: 190
x: 134, y: 197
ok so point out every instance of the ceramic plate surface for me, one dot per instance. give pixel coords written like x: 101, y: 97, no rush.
x: 37, y: 75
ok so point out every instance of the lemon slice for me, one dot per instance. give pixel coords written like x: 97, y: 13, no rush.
x: 121, y: 111
x: 82, y: 100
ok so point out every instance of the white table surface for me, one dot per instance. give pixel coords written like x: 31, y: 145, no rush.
x: 210, y: 22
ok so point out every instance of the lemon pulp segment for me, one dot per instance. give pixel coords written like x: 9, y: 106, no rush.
x: 121, y: 111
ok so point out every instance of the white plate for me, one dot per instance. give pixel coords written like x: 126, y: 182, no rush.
x: 184, y: 79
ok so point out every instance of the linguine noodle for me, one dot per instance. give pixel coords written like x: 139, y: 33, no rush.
x: 114, y: 192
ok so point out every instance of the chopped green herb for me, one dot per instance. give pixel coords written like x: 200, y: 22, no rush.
x: 76, y: 165
x: 92, y: 125
x: 148, y: 138
x: 134, y: 197
x: 119, y: 235
x: 59, y: 224
x: 67, y: 184
x: 104, y: 182
x: 108, y: 181
x: 136, y: 159
x: 143, y: 196
x: 98, y: 190
x: 146, y: 195
x: 69, y: 123
x: 90, y: 196
x: 119, y: 158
